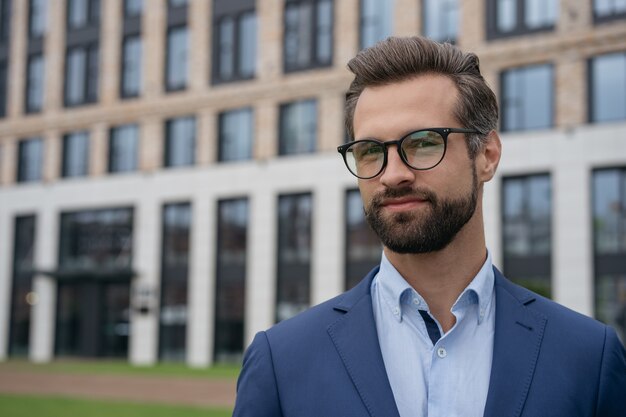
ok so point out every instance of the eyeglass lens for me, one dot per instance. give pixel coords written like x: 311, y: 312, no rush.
x: 420, y: 150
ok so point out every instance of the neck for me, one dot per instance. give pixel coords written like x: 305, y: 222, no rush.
x: 440, y: 277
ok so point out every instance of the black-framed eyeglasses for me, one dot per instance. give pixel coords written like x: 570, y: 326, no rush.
x: 420, y: 150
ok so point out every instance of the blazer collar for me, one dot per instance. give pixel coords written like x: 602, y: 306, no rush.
x: 518, y: 335
x: 355, y: 338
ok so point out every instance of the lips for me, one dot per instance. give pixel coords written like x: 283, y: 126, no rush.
x: 402, y: 204
x: 402, y: 199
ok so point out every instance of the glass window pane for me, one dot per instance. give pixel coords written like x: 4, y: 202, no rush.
x: 35, y: 83
x: 247, y: 45
x: 177, y: 57
x: 609, y: 215
x: 236, y: 135
x: 75, y: 154
x: 298, y: 35
x: 37, y: 18
x: 441, y: 19
x: 324, y: 31
x: 92, y: 73
x: 77, y: 13
x: 294, y: 255
x: 131, y: 66
x: 507, y: 15
x: 527, y: 98
x: 123, y: 148
x: 231, y: 279
x: 132, y: 8
x: 540, y: 13
x: 227, y: 39
x: 180, y: 142
x: 608, y: 87
x: 174, y: 277
x: 76, y: 68
x: 3, y: 88
x: 298, y: 127
x: 30, y: 160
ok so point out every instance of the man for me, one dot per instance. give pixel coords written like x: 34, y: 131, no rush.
x: 436, y: 330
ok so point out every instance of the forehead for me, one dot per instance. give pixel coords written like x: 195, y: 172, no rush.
x: 392, y: 110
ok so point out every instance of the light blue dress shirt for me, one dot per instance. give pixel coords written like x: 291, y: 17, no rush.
x: 447, y: 378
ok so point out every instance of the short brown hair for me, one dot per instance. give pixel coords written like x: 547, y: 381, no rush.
x: 398, y: 59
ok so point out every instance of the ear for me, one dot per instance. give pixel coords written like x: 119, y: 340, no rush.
x: 488, y: 157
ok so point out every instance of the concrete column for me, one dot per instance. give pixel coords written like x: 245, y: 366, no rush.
x: 200, y: 327
x: 406, y: 17
x: 151, y: 145
x: 270, y: 39
x: 6, y: 278
x: 570, y: 90
x: 52, y: 156
x: 154, y: 47
x: 8, y: 161
x: 346, y: 31
x: 206, y: 137
x: 261, y: 263
x: 199, y: 29
x: 330, y: 122
x: 44, y: 311
x: 17, y: 58
x: 98, y: 149
x: 266, y: 131
x: 54, y: 50
x: 574, y: 16
x: 327, y: 268
x: 144, y: 318
x: 110, y: 50
x: 473, y: 15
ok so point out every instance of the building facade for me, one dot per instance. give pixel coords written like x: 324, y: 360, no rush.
x: 169, y: 181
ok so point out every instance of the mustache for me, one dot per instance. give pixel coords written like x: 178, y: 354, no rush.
x: 387, y: 193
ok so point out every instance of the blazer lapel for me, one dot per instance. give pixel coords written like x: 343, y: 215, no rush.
x: 517, y: 342
x: 355, y: 338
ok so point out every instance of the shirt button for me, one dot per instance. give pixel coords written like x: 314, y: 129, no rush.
x: 416, y: 301
x: 396, y: 311
x: 441, y: 352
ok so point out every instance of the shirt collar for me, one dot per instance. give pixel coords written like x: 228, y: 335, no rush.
x: 395, y: 291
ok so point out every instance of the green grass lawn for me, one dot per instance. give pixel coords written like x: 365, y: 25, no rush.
x: 37, y: 406
x: 122, y: 367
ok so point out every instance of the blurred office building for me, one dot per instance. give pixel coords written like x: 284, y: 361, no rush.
x: 170, y: 185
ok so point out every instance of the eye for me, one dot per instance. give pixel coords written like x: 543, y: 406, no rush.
x: 366, y: 150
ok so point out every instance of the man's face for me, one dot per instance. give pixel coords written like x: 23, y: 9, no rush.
x: 416, y: 211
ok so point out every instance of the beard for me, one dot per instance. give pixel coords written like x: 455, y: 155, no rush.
x: 431, y: 231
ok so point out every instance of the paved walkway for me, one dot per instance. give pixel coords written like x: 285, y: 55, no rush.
x: 154, y: 389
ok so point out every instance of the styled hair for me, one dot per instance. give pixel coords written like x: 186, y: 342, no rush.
x: 399, y: 59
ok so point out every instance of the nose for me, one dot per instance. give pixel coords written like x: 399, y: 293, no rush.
x: 396, y: 173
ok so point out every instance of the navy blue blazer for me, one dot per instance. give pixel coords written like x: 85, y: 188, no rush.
x: 326, y: 362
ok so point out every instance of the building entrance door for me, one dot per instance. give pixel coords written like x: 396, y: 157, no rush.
x: 92, y: 318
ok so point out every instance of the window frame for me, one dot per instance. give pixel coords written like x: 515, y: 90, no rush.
x: 426, y: 4
x: 282, y: 138
x: 606, y: 18
x: 167, y: 147
x: 220, y: 142
x: 591, y: 89
x: 21, y: 170
x: 493, y: 33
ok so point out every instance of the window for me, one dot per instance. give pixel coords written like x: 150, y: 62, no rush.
x: 605, y: 10
x: 131, y: 66
x: 234, y: 40
x: 37, y: 18
x: 174, y: 277
x: 527, y: 235
x: 5, y: 20
x: 132, y: 8
x: 123, y: 148
x: 3, y: 88
x: 294, y: 255
x: 376, y: 21
x: 609, y: 224
x: 30, y: 159
x: 527, y: 98
x: 236, y: 133
x: 608, y: 88
x: 363, y: 249
x: 230, y: 281
x: 180, y: 142
x: 298, y: 127
x: 35, y: 84
x: 5, y: 23
x: 176, y: 65
x: 82, y: 13
x: 308, y: 37
x: 517, y: 17
x: 441, y: 20
x: 82, y: 54
x: 22, y: 297
x: 75, y: 154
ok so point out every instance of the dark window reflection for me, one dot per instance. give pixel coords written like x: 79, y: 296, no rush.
x: 5, y: 20
x: 236, y: 135
x: 30, y: 160
x: 131, y: 66
x: 3, y: 87
x: 527, y: 231
x: 174, y: 277
x: 609, y: 9
x: 527, y: 98
x: 308, y: 34
x: 75, y: 154
x: 22, y: 296
x: 298, y: 127
x: 376, y: 21
x: 294, y: 255
x: 177, y: 58
x: 132, y: 8
x: 363, y: 249
x: 180, y: 142
x: 441, y: 19
x: 35, y: 83
x: 608, y: 87
x: 516, y: 17
x: 231, y: 279
x: 37, y: 18
x: 609, y: 224
x: 81, y: 13
x: 123, y: 148
x: 81, y: 75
